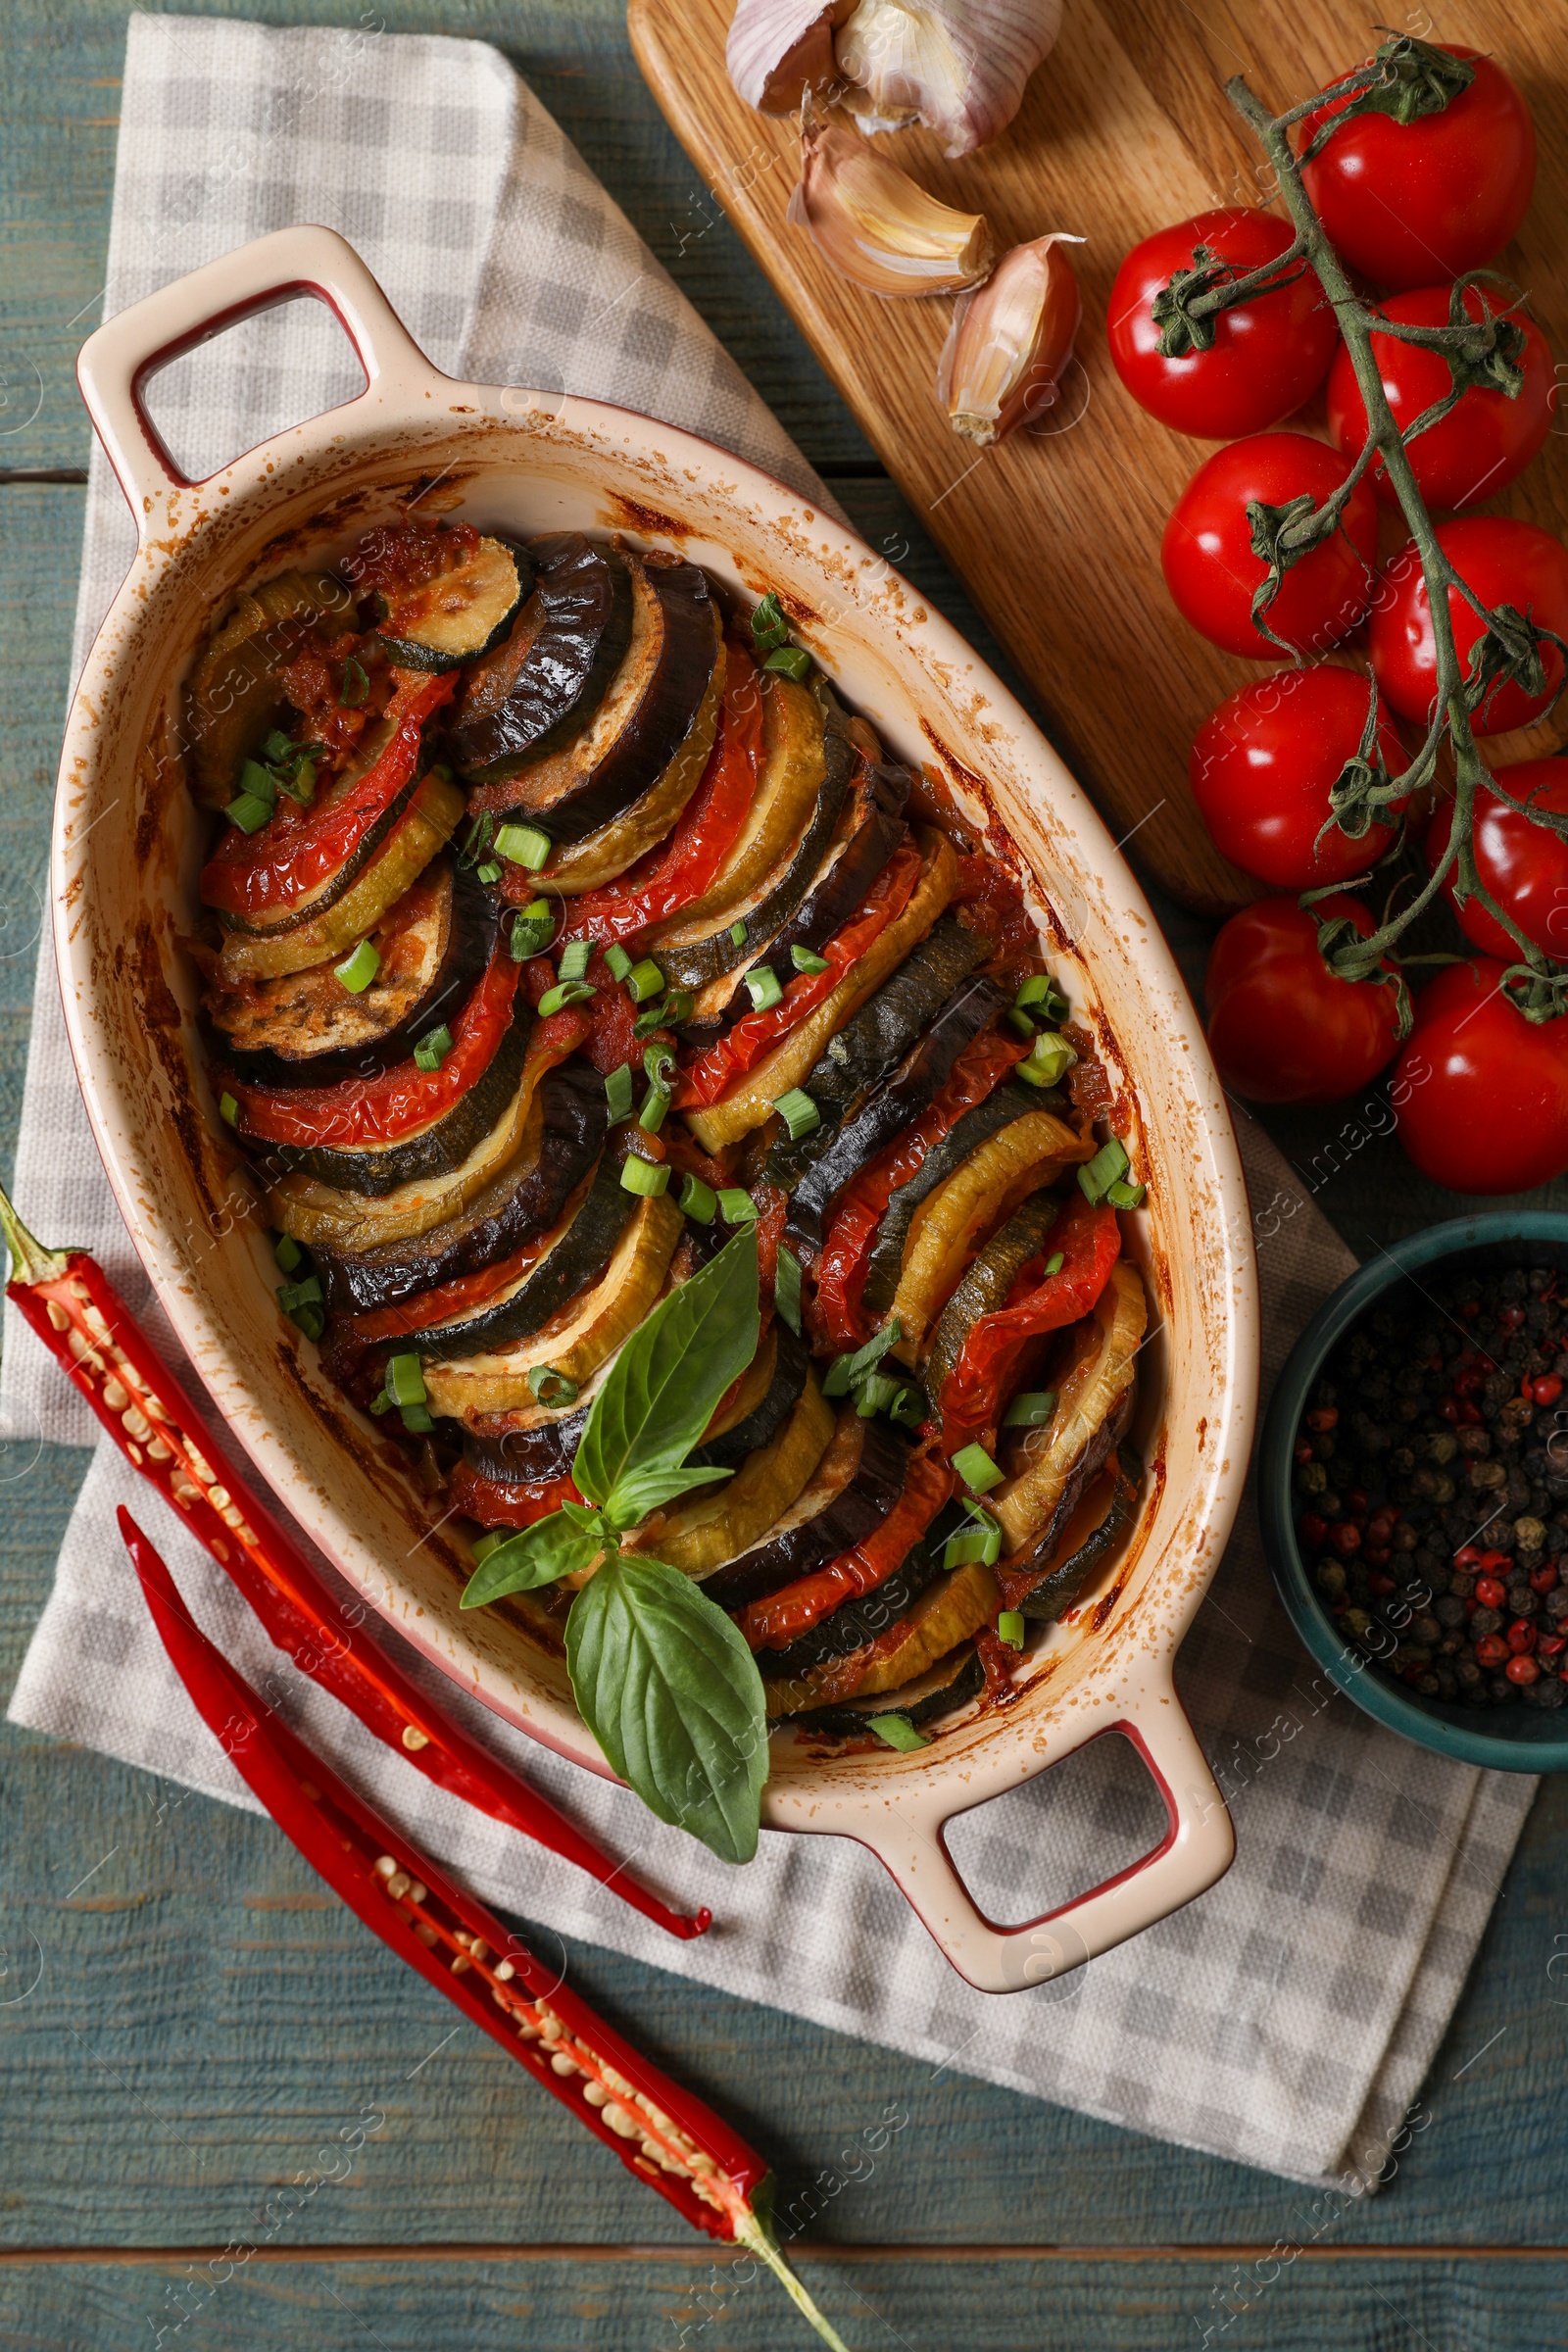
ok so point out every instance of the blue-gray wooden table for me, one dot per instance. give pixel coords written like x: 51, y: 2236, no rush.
x: 186, y: 2019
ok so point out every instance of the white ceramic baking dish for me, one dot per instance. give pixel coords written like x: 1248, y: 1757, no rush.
x: 126, y: 846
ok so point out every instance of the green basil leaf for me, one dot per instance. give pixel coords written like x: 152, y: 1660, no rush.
x: 662, y: 1389
x: 582, y: 1515
x: 671, y: 1692
x: 644, y: 1491
x: 537, y: 1556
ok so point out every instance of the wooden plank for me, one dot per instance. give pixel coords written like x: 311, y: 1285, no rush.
x: 1057, y: 532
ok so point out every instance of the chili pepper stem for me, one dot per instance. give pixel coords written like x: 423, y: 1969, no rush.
x: 30, y: 1262
x: 751, y: 2231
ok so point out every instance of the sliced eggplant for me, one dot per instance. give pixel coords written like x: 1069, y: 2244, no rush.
x: 235, y: 695
x: 527, y: 1198
x: 943, y: 1232
x: 984, y: 1288
x: 549, y: 677
x: 885, y: 1115
x: 578, y: 1340
x: 727, y: 1520
x: 947, y: 1612
x: 1100, y: 1504
x: 855, y: 1486
x: 461, y: 614
x: 576, y: 1256
x: 647, y: 713
x: 1005, y: 1103
x: 531, y: 1443
x: 853, y: 863
x: 604, y: 855
x: 1043, y: 1461
x: 855, y: 1623
x: 790, y: 1364
x: 869, y: 1047
x: 434, y: 1150
x: 948, y: 1685
x: 305, y: 1028
x: 794, y: 764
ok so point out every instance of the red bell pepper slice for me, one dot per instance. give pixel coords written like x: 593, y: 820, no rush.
x: 299, y: 848
x: 497, y: 1503
x: 975, y: 1391
x: 781, y: 1617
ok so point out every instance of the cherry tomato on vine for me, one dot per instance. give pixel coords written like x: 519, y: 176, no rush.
x: 1207, y: 559
x: 1265, y: 764
x: 1524, y: 866
x: 1480, y: 1092
x: 1480, y: 445
x: 1268, y: 355
x: 1282, y: 1027
x: 1505, y: 562
x: 1405, y: 203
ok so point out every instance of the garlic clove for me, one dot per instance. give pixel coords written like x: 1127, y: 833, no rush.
x: 1009, y: 341
x: 779, y: 49
x: 877, y: 227
x: 957, y: 65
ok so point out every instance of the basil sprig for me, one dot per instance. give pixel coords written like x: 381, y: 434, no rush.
x: 662, y: 1675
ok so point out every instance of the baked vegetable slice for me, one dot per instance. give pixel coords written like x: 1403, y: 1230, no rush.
x: 459, y: 614
x: 549, y: 676
x: 1096, y: 1511
x: 950, y: 1611
x: 727, y: 1520
x: 855, y: 1486
x: 235, y: 695
x: 782, y: 1361
x: 1044, y: 1460
x: 577, y: 867
x: 948, y: 1685
x: 576, y: 1256
x: 986, y: 1284
x: 856, y: 1623
x: 1004, y: 1106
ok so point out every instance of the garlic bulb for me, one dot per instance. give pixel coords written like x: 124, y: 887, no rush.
x: 957, y: 65
x: 779, y: 49
x: 1010, y: 340
x: 876, y: 226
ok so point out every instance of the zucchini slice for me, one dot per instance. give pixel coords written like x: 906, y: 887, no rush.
x: 858, y: 1622
x: 949, y: 1612
x: 646, y: 715
x: 1044, y: 1459
x: 783, y: 1360
x: 576, y: 1257
x: 984, y: 1288
x: 578, y: 1341
x: 305, y: 1029
x: 856, y: 1483
x: 433, y: 1150
x: 459, y: 614
x: 1005, y: 1104
x: 234, y: 697
x: 532, y: 1443
x: 869, y: 1048
x: 555, y: 667
x: 1101, y: 1513
x: 604, y: 855
x: 948, y: 1685
x: 565, y: 1133
x: 862, y: 848
x: 751, y: 1100
x: 794, y: 764
x: 727, y: 1520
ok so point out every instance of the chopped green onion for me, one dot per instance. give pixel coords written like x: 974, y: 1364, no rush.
x: 698, y: 1200
x: 1010, y: 1628
x: 1051, y: 1060
x: 249, y: 812
x: 523, y: 845
x: 228, y: 1109
x: 532, y: 931
x: 432, y: 1052
x: 258, y: 782
x: 768, y: 624
x: 977, y: 1470
x: 416, y: 1420
x: 645, y: 980
x: 807, y: 960
x: 665, y: 1015
x: 793, y: 659
x: 288, y: 1254
x: 618, y: 1092
x: 483, y: 1545
x: 574, y: 959
x: 799, y: 1113
x: 1126, y: 1195
x: 1096, y: 1178
x: 897, y: 1731
x: 1041, y: 991
x: 846, y: 1370
x: 491, y: 872
x: 648, y: 1178
x: 735, y: 1206
x: 656, y: 1103
x: 311, y: 1320
x: 763, y: 987
x: 1022, y: 1022
x: 737, y: 933
x: 298, y: 780
x: 787, y: 1289
x: 1054, y: 1264
x: 564, y: 991
x: 907, y: 1406
x: 658, y: 1066
x: 980, y: 1540
x: 876, y: 1394
x: 382, y: 1404
x: 1031, y: 1408
x: 358, y: 970
x: 619, y: 960
x: 354, y: 687
x: 278, y: 747
x: 478, y: 838
x: 551, y: 1388
x: 405, y: 1382
x: 307, y: 1292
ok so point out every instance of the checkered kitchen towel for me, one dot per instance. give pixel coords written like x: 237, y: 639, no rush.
x: 1287, y: 2016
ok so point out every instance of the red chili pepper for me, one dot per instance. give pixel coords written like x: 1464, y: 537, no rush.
x: 86, y: 1326
x: 379, y: 1109
x: 670, y: 876
x: 973, y: 1392
x: 742, y: 1047
x: 780, y: 1617
x: 296, y: 849
x: 669, y: 2138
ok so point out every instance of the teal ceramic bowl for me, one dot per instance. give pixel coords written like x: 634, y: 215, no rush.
x: 1516, y: 1738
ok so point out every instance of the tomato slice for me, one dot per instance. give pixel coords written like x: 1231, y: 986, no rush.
x: 780, y: 1617
x: 836, y: 1315
x: 299, y: 848
x: 972, y: 1395
x: 497, y: 1503
x: 742, y: 1047
x: 446, y: 1299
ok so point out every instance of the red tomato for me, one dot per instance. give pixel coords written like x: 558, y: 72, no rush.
x: 1480, y: 445
x: 1280, y: 1028
x: 1505, y: 563
x: 1523, y: 865
x: 1482, y: 1093
x: 1268, y: 356
x: 1407, y: 203
x: 1210, y: 569
x: 1265, y: 764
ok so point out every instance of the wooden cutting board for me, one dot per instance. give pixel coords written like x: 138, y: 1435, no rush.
x: 1057, y: 531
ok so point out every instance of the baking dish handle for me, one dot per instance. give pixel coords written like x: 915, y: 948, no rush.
x: 1198, y: 1849
x: 116, y: 363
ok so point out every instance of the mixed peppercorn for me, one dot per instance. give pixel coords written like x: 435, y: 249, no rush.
x: 1432, y: 1489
